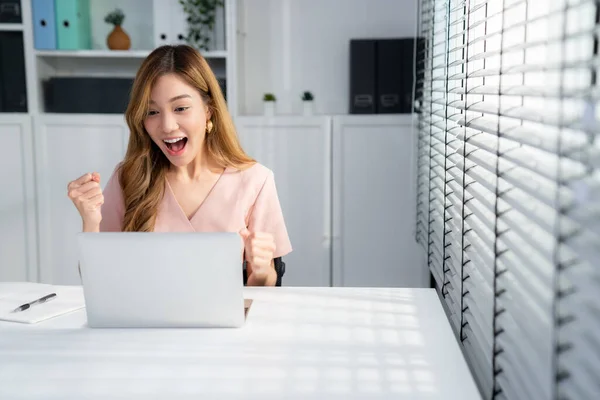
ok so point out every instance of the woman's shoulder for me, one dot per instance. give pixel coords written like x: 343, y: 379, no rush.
x: 114, y: 179
x: 255, y: 174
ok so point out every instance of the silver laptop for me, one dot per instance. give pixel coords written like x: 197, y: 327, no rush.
x: 160, y: 280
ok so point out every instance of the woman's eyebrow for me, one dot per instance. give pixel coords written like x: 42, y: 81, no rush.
x: 181, y: 96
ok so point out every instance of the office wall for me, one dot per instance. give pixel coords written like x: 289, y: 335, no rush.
x: 290, y: 46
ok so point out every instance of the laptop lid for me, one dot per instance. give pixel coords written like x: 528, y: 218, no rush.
x: 153, y: 280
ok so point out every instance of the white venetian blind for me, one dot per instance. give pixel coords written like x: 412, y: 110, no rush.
x: 509, y: 188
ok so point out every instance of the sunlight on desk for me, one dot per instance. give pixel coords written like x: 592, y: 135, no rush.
x: 297, y: 343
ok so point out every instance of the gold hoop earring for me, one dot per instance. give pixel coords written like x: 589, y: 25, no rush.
x: 209, y: 126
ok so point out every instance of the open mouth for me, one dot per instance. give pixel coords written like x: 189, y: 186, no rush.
x: 175, y: 146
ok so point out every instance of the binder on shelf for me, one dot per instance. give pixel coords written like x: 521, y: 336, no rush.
x: 13, y: 89
x: 73, y: 31
x: 10, y: 11
x: 362, y: 76
x: 44, y: 24
x: 395, y: 65
x: 381, y: 75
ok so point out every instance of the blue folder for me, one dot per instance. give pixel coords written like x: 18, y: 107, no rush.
x: 44, y: 24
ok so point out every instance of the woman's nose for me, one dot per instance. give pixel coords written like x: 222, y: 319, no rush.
x: 169, y: 123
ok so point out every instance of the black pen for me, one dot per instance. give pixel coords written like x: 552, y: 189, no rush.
x: 38, y: 301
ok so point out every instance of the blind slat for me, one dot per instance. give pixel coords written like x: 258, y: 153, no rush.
x: 527, y: 360
x: 482, y: 255
x: 479, y: 369
x: 517, y: 377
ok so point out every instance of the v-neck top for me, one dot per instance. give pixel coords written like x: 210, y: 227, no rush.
x: 240, y: 198
x: 171, y: 193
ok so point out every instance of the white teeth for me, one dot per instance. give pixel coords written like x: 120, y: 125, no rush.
x: 172, y: 140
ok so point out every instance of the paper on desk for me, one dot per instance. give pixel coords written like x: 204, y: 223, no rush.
x: 12, y: 295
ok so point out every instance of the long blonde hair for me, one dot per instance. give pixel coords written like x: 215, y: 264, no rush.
x: 143, y: 172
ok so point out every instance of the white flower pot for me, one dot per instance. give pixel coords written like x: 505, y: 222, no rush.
x: 269, y: 108
x: 308, y: 108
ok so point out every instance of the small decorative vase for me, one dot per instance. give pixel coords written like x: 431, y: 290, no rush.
x: 118, y: 39
x: 308, y: 108
x: 269, y: 108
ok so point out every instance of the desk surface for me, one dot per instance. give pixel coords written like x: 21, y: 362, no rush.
x: 297, y: 343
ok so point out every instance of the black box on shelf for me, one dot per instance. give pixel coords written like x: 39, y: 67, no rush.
x: 363, y: 76
x: 13, y: 87
x: 395, y: 75
x: 381, y: 75
x: 92, y: 95
x: 10, y: 12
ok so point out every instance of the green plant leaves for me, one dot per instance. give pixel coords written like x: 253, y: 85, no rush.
x: 115, y: 17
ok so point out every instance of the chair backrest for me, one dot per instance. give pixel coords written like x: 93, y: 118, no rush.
x: 279, y: 268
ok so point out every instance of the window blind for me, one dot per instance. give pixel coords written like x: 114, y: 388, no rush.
x: 508, y: 206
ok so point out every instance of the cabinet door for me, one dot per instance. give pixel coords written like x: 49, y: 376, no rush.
x: 374, y: 203
x: 66, y: 148
x: 18, y: 249
x: 297, y: 150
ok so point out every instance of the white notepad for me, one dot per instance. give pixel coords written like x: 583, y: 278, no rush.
x: 12, y: 295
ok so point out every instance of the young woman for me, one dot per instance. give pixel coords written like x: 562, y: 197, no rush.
x: 184, y: 169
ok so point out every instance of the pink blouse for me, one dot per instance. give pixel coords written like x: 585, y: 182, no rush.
x: 238, y: 199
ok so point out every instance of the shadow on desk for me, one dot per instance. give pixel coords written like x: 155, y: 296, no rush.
x: 296, y: 344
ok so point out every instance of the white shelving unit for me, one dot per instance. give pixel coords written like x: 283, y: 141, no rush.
x: 134, y: 54
x: 92, y: 53
x: 149, y: 23
x: 11, y: 27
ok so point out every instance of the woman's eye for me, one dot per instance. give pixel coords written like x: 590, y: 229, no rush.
x: 152, y: 112
x: 180, y: 109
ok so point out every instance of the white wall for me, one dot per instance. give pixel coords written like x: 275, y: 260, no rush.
x: 296, y: 45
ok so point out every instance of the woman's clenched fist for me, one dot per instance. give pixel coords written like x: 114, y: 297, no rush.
x: 86, y: 194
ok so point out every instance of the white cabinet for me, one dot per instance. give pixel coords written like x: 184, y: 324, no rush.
x: 66, y: 148
x: 18, y: 247
x: 374, y: 203
x: 298, y: 151
x: 346, y: 185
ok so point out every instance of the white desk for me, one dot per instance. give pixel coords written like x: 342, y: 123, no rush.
x: 298, y: 343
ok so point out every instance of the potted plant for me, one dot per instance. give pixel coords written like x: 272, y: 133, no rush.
x: 308, y: 103
x: 269, y: 100
x: 118, y: 39
x: 200, y: 18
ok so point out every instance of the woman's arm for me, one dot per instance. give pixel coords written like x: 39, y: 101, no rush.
x: 266, y: 218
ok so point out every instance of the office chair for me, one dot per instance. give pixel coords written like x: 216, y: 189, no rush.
x: 279, y: 268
